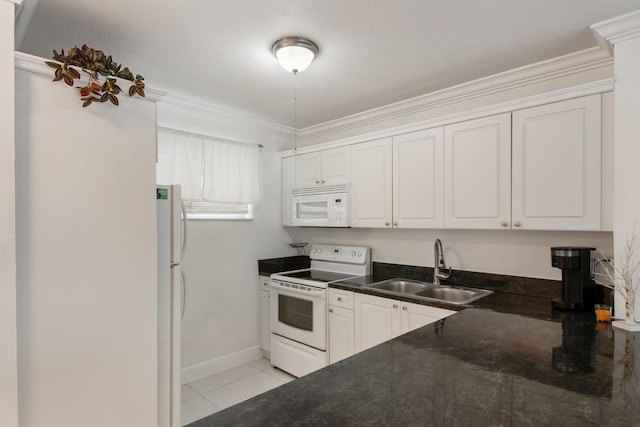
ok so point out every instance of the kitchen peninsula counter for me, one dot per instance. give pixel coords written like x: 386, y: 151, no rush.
x: 480, y: 367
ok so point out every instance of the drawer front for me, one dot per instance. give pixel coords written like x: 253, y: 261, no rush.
x: 340, y: 298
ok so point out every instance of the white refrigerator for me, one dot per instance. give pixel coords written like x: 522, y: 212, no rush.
x: 171, y: 243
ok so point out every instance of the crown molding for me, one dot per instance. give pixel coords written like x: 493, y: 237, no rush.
x: 618, y: 29
x: 592, y: 88
x: 177, y: 103
x: 36, y: 64
x: 537, y: 73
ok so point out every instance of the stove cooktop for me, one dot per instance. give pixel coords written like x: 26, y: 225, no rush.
x: 316, y: 275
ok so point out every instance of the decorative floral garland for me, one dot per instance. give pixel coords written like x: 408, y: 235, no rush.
x: 95, y: 64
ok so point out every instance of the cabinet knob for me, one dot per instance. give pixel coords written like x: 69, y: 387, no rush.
x: 323, y: 181
x: 317, y: 182
x: 331, y: 310
x: 395, y: 305
x: 395, y: 224
x: 516, y: 224
x: 386, y: 224
x: 404, y: 307
x: 339, y: 298
x: 504, y: 223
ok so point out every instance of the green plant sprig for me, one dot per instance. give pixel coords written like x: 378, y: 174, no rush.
x: 95, y: 64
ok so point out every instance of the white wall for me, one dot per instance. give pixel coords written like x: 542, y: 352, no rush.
x: 220, y: 325
x: 517, y: 253
x: 8, y: 355
x: 86, y: 257
x: 624, y: 33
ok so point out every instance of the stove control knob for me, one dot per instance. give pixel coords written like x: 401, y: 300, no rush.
x: 359, y: 253
x: 354, y: 253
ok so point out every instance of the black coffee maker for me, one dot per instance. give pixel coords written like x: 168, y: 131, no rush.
x: 578, y: 290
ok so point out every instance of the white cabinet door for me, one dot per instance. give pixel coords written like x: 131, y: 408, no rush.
x: 477, y: 179
x: 557, y: 155
x: 326, y: 167
x: 341, y: 333
x: 418, y: 179
x: 288, y: 166
x: 376, y: 320
x: 415, y: 316
x: 371, y: 184
x: 308, y: 169
x: 265, y: 331
x: 336, y: 166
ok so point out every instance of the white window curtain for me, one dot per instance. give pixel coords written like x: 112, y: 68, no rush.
x: 209, y: 169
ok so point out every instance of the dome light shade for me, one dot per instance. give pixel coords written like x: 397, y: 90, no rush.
x: 295, y: 53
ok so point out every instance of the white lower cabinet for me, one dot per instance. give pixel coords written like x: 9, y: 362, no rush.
x: 341, y: 334
x: 380, y: 319
x: 265, y: 331
x: 341, y: 325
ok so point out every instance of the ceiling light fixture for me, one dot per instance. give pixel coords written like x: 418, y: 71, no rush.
x: 295, y: 53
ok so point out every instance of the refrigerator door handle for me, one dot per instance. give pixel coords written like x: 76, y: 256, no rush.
x: 184, y: 229
x: 183, y: 288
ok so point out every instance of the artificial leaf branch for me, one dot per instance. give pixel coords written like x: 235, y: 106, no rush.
x: 95, y: 64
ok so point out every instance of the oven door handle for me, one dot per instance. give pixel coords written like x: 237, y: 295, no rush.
x: 320, y: 293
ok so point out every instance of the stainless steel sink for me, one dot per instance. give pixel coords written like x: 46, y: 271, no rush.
x: 453, y: 295
x: 428, y: 291
x: 401, y: 286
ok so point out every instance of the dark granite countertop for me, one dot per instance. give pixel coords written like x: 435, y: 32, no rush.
x: 507, y: 359
x: 481, y: 368
x: 267, y: 267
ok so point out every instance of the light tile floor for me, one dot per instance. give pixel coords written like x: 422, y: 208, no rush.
x: 219, y: 391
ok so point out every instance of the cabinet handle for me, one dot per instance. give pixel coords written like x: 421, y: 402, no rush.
x: 339, y: 298
x: 516, y: 224
x: 331, y: 310
x: 404, y: 307
x: 504, y: 223
x: 395, y: 305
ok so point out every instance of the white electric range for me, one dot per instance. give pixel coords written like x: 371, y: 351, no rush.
x: 298, y: 306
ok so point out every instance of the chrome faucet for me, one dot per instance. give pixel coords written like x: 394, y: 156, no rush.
x: 438, y: 263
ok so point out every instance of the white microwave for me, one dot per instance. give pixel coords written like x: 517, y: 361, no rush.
x: 321, y: 206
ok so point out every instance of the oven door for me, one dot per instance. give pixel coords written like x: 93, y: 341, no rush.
x: 298, y: 312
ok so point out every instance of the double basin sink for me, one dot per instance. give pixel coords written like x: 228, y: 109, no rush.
x: 457, y: 295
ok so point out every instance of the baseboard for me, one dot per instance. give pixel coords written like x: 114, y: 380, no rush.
x: 213, y: 366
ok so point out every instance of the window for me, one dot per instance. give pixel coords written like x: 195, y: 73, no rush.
x: 219, y: 178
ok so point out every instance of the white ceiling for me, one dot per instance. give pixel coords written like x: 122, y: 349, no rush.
x: 372, y: 52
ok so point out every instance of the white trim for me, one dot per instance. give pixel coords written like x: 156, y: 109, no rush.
x: 219, y: 364
x: 591, y: 88
x: 179, y: 104
x: 36, y: 64
x: 577, y: 62
x: 619, y: 29
x: 14, y: 1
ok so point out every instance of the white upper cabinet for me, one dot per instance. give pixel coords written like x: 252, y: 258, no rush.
x: 327, y: 167
x: 288, y: 181
x: 557, y: 166
x: 371, y: 184
x: 477, y: 177
x: 418, y: 179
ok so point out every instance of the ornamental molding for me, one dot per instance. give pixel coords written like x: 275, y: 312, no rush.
x: 618, y: 29
x: 538, y: 73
